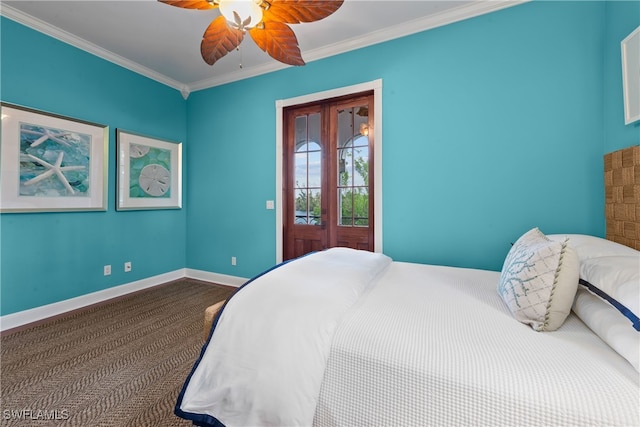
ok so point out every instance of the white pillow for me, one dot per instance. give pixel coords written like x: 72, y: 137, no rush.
x: 615, y: 279
x: 609, y: 324
x: 609, y: 270
x: 539, y: 280
x: 587, y: 247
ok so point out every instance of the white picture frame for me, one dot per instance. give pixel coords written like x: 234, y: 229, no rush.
x: 51, y: 163
x: 149, y: 172
x: 631, y: 76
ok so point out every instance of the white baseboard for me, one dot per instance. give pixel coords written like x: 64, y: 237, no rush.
x: 221, y: 279
x: 36, y: 314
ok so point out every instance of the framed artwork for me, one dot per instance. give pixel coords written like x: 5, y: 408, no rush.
x: 51, y: 163
x: 149, y: 172
x: 631, y: 76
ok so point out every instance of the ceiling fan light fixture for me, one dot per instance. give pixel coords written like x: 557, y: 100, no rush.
x: 273, y: 34
x: 241, y: 14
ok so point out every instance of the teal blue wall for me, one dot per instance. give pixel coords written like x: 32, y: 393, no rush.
x: 49, y: 257
x: 491, y: 126
x: 622, y: 18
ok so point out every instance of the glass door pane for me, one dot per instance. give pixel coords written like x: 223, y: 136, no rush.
x: 353, y: 167
x: 307, y: 170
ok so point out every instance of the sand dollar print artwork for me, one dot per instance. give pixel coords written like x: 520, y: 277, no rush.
x: 154, y: 180
x: 150, y: 171
x: 136, y: 150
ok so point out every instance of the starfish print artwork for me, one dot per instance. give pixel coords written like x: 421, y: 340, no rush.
x: 56, y: 169
x: 61, y: 137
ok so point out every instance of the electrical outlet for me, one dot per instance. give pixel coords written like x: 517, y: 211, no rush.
x: 107, y: 270
x: 127, y: 266
x: 233, y: 260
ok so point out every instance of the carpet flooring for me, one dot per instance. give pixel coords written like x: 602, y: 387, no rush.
x: 121, y: 363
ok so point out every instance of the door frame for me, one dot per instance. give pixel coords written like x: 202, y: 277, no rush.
x: 376, y: 86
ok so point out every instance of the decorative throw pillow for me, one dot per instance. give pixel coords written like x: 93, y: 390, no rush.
x: 539, y: 280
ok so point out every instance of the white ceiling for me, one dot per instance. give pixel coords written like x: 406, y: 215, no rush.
x: 163, y: 42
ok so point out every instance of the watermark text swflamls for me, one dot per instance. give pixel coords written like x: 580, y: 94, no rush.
x: 35, y: 414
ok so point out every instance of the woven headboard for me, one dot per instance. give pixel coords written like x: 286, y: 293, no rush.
x: 622, y: 196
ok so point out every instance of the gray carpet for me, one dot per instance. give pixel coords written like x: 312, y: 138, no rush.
x: 121, y: 363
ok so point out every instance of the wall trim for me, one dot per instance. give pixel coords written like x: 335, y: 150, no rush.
x: 221, y: 279
x: 37, y: 314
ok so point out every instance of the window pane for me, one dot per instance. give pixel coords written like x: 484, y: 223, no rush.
x: 361, y: 206
x: 361, y: 166
x: 346, y: 206
x: 354, y: 206
x: 360, y: 141
x: 300, y: 170
x: 314, y: 127
x: 345, y: 171
x: 301, y: 206
x: 301, y: 129
x: 315, y: 171
x: 314, y: 206
x: 307, y: 169
x: 308, y: 146
x: 307, y: 207
x: 361, y: 125
x: 345, y: 126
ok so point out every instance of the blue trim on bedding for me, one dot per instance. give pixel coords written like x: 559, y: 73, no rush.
x: 624, y: 310
x: 205, y: 420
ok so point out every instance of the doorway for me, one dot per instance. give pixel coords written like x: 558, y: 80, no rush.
x: 328, y: 153
x: 280, y: 106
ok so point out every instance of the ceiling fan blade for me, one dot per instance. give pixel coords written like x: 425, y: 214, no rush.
x: 279, y: 41
x: 188, y: 4
x: 218, y: 40
x: 297, y: 11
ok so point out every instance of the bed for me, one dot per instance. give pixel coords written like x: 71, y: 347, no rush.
x: 351, y: 338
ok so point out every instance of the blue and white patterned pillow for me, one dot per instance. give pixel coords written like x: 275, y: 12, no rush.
x: 539, y: 280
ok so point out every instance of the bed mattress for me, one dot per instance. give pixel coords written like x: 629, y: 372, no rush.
x: 435, y: 345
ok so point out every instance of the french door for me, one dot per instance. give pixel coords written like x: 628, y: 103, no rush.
x: 328, y: 175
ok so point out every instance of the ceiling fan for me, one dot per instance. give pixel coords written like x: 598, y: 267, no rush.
x: 265, y: 20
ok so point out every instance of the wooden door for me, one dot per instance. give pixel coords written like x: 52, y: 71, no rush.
x: 328, y: 175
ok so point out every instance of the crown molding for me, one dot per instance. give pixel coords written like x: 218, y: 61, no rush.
x: 450, y: 16
x: 243, y: 74
x: 68, y: 38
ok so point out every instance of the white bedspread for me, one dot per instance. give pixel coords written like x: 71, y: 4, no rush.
x: 436, y: 346
x: 355, y: 340
x: 267, y: 355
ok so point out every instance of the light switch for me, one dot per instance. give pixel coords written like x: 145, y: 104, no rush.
x: 270, y: 204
